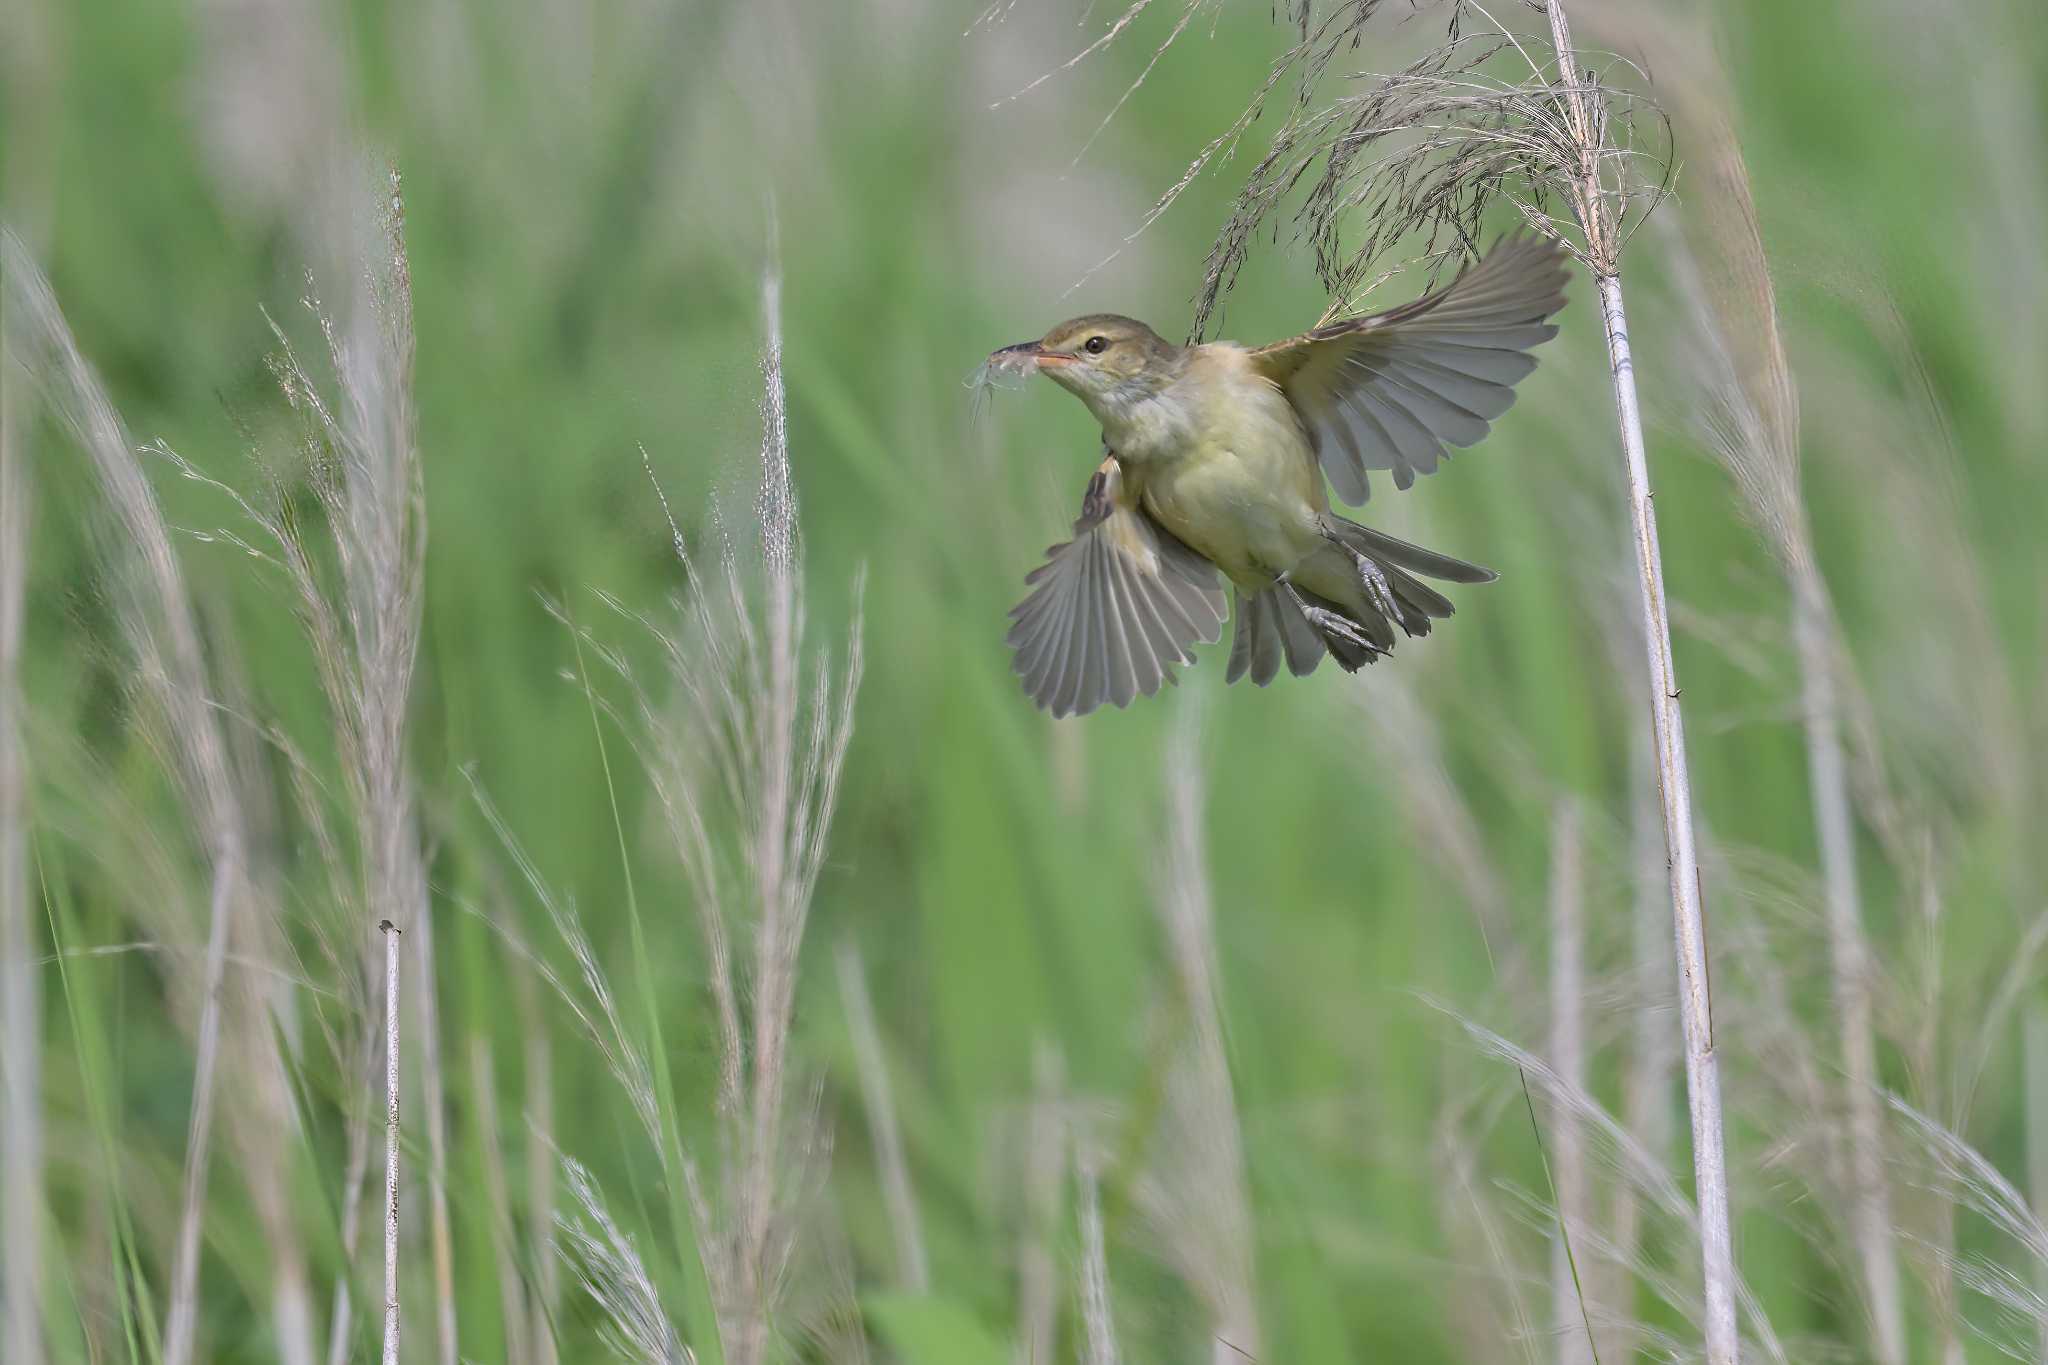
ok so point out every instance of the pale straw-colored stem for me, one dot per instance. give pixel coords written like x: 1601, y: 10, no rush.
x: 391, y: 1035
x: 898, y: 1198
x: 1870, y: 1205
x: 1688, y: 911
x: 1695, y: 1006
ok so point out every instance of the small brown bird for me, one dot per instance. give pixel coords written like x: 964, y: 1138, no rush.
x: 1214, y: 458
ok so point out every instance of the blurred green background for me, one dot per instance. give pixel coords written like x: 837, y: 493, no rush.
x: 592, y: 196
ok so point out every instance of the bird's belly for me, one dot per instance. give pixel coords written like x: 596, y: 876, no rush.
x: 1250, y: 513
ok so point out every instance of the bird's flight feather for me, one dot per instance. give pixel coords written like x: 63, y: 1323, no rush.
x: 1112, y: 610
x: 1390, y: 390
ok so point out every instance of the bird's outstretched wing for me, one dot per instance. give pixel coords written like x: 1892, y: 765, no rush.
x: 1388, y: 391
x: 1112, y: 610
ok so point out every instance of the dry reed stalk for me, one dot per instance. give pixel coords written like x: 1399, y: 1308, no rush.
x: 1572, y: 1302
x: 21, y: 1034
x: 897, y: 1195
x: 1600, y: 220
x: 157, y: 615
x: 391, y: 1040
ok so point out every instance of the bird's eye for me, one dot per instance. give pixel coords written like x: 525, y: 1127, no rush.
x: 1095, y: 345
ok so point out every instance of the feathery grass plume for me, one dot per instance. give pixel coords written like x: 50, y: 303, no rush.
x: 1750, y: 420
x: 360, y: 455
x: 157, y: 616
x: 1611, y: 1145
x: 744, y: 748
x: 1961, y: 1177
x: 604, y: 1260
x: 748, y: 750
x: 392, y: 1004
x: 1488, y: 115
x: 21, y: 1034
x: 1194, y: 1192
x: 897, y: 1194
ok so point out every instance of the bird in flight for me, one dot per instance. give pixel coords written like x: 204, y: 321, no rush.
x: 1214, y: 457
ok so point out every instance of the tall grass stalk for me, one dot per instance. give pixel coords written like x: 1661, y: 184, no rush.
x: 1600, y: 219
x: 744, y: 749
x: 21, y: 1034
x: 360, y: 455
x: 1751, y: 422
x: 157, y: 615
x: 1424, y: 154
x: 392, y: 1004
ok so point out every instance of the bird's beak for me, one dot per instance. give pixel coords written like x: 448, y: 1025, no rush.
x: 1035, y: 352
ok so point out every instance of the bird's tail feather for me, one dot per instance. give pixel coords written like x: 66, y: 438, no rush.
x: 1354, y: 623
x: 1291, y: 623
x: 1388, y: 550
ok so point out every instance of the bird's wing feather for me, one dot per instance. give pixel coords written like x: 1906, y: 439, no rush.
x: 1390, y: 390
x: 1112, y: 610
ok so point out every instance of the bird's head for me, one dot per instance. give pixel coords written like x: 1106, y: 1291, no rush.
x: 1107, y: 361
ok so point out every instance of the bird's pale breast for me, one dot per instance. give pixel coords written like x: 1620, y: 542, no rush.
x: 1242, y: 487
